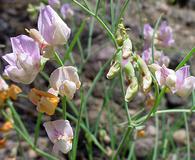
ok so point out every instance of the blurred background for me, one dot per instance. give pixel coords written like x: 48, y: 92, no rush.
x: 16, y: 15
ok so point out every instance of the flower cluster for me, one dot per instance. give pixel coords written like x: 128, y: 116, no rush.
x: 163, y: 38
x: 24, y: 63
x: 135, y: 68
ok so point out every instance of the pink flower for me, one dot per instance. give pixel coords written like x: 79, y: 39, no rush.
x: 66, y: 11
x: 53, y: 29
x: 184, y: 83
x: 165, y: 35
x: 179, y: 82
x: 61, y: 134
x: 65, y: 80
x: 24, y: 62
x: 166, y: 76
x: 54, y: 3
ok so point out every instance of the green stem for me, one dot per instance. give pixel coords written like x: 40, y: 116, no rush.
x: 188, y: 136
x: 37, y: 127
x: 99, y: 20
x: 16, y: 118
x: 153, y: 36
x: 21, y: 133
x: 123, y: 91
x: 64, y: 107
x: 58, y: 59
x: 156, y: 138
x: 123, y: 141
x: 75, y: 141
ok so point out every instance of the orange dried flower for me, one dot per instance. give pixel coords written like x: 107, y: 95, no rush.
x: 45, y: 101
x: 2, y: 143
x: 141, y: 133
x: 7, y: 126
x: 13, y: 91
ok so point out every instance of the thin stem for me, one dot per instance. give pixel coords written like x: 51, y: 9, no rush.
x: 86, y: 130
x: 153, y: 36
x: 37, y: 127
x: 16, y: 118
x: 99, y: 20
x: 75, y: 142
x: 188, y: 136
x: 125, y: 103
x: 123, y: 141
x: 156, y: 138
x: 64, y: 107
x: 91, y: 28
x: 58, y: 59
x: 28, y: 140
x: 122, y: 11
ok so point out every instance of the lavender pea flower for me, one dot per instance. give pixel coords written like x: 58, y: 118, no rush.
x: 179, y: 82
x: 53, y: 29
x: 159, y: 57
x: 54, y: 3
x: 24, y: 62
x: 148, y: 33
x: 165, y: 35
x: 61, y: 134
x: 66, y: 11
x: 184, y: 82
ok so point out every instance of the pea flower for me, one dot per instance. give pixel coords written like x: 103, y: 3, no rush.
x: 148, y: 33
x: 65, y: 80
x: 52, y: 28
x: 66, y: 11
x: 24, y: 62
x: 159, y: 57
x: 61, y: 134
x: 45, y: 101
x: 179, y: 82
x: 165, y: 35
x: 184, y: 82
x: 166, y: 76
x: 54, y: 3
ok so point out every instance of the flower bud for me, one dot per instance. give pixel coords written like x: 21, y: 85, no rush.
x: 53, y: 29
x: 133, y: 82
x: 121, y: 34
x: 146, y: 75
x: 116, y: 66
x: 127, y: 48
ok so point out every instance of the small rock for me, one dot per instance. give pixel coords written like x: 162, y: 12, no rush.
x: 151, y: 130
x: 180, y: 136
x: 143, y: 146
